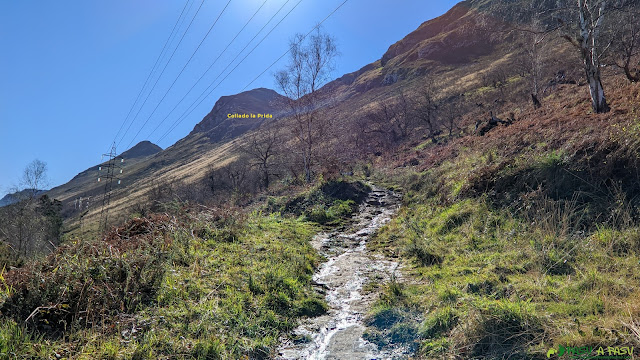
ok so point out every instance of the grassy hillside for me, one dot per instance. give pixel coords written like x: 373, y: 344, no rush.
x: 521, y: 240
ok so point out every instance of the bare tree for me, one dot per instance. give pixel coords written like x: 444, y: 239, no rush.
x: 235, y: 176
x: 210, y: 181
x: 536, y: 42
x: 626, y: 44
x: 263, y: 146
x: 310, y: 64
x: 364, y: 135
x: 404, y: 121
x: 160, y: 193
x: 377, y: 126
x: 31, y: 225
x: 34, y: 177
x: 452, y: 110
x: 496, y: 78
x: 388, y: 121
x: 426, y: 108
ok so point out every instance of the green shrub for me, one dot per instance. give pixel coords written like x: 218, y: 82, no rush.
x: 327, y: 202
x: 339, y: 210
x: 403, y: 333
x: 439, y: 322
x: 504, y: 328
x: 319, y: 214
x: 311, y: 307
x: 88, y: 283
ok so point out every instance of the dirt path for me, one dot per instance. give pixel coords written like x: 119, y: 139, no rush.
x: 338, y: 334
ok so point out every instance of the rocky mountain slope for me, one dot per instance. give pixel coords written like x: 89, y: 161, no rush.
x: 450, y: 42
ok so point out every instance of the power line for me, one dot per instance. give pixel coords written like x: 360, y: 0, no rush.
x: 163, y: 70
x: 183, y: 117
x: 178, y: 121
x: 210, y: 66
x: 111, y: 168
x: 155, y: 65
x: 184, y: 19
x: 286, y: 52
x: 188, y: 112
x: 179, y: 74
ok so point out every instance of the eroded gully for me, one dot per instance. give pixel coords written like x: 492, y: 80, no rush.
x: 339, y: 333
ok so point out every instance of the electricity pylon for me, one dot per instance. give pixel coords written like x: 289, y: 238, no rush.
x: 109, y: 171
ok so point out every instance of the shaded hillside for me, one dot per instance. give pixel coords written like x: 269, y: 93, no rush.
x: 85, y: 185
x: 146, y: 166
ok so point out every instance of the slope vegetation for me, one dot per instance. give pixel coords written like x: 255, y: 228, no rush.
x: 524, y: 239
x: 516, y: 237
x: 197, y: 284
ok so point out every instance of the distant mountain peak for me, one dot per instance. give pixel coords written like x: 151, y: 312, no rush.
x: 142, y: 149
x: 218, y: 126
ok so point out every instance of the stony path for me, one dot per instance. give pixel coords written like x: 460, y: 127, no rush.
x: 338, y: 334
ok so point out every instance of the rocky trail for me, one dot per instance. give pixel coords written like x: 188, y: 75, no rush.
x: 339, y: 333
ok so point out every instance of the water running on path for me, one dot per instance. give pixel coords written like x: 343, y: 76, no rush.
x: 339, y: 333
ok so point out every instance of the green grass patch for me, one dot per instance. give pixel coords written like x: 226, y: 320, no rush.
x: 493, y: 283
x: 328, y: 203
x: 204, y: 285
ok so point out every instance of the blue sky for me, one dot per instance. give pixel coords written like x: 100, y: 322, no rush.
x: 71, y: 70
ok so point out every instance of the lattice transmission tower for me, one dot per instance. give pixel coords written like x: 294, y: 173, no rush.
x: 109, y: 171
